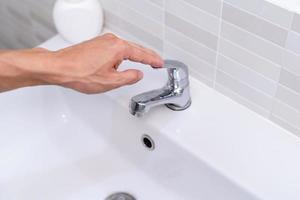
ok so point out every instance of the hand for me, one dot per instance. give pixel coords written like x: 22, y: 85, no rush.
x: 91, y: 67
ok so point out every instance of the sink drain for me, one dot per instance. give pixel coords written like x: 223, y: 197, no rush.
x: 148, y: 142
x: 120, y: 196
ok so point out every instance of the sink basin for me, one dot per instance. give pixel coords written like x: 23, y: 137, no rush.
x: 59, y: 144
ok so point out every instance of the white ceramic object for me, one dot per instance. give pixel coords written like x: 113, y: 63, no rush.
x: 78, y: 20
x: 291, y: 5
x: 59, y: 144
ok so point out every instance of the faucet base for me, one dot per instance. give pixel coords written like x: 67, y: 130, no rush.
x: 179, y: 108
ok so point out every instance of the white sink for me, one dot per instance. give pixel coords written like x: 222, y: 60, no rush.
x: 57, y: 144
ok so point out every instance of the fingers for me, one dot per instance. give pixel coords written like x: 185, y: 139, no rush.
x: 127, y: 77
x: 143, y: 55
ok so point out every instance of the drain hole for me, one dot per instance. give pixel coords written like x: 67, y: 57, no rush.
x: 148, y: 142
x: 120, y: 196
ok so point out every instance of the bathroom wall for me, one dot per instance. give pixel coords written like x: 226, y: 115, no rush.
x: 25, y: 23
x: 249, y: 50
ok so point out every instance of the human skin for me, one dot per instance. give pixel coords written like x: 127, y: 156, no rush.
x: 89, y: 67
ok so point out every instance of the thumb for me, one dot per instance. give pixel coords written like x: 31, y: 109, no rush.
x: 131, y: 76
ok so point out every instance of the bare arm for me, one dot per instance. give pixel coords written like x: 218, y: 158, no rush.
x: 90, y: 67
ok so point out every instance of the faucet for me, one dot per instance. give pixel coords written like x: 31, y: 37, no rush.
x: 175, y: 94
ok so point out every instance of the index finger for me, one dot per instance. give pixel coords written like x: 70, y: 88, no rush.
x: 143, y: 55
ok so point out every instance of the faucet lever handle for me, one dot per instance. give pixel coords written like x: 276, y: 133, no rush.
x: 176, y: 70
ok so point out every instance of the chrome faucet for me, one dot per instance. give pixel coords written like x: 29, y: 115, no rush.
x: 175, y: 94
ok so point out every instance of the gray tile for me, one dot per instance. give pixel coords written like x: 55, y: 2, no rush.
x: 243, y: 90
x: 255, y: 25
x: 191, y: 31
x: 19, y: 16
x: 120, y: 9
x: 147, y: 9
x: 284, y: 124
x: 247, y: 76
x: 152, y: 40
x: 266, y: 10
x: 290, y: 80
x: 252, y: 42
x: 288, y: 96
x: 248, y: 59
x: 296, y: 23
x: 193, y: 15
x: 159, y: 3
x: 286, y: 113
x: 129, y: 37
x: 211, y: 6
x: 190, y: 46
x: 42, y: 21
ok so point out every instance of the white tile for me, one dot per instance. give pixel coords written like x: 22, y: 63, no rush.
x: 193, y: 15
x: 293, y: 42
x: 247, y: 75
x: 276, y: 14
x: 243, y: 90
x: 248, y: 59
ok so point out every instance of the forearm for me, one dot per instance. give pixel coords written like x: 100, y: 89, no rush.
x: 23, y: 68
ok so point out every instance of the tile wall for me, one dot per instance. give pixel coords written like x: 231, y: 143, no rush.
x: 249, y: 50
x: 25, y: 23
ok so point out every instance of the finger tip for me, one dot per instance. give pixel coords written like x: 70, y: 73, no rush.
x: 158, y: 64
x: 140, y: 75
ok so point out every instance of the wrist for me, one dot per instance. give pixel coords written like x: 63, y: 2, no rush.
x: 24, y: 68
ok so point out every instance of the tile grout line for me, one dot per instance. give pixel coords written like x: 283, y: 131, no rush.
x: 192, y: 40
x: 284, y: 121
x: 164, y: 28
x: 138, y: 13
x: 196, y: 7
x: 248, y: 68
x: 255, y: 15
x: 252, y: 53
x: 218, y: 45
x: 243, y: 98
x: 193, y: 24
x: 121, y: 18
x: 246, y: 84
x: 282, y: 67
x: 192, y: 55
x: 253, y: 34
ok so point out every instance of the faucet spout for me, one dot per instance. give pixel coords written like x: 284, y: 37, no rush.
x: 175, y: 94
